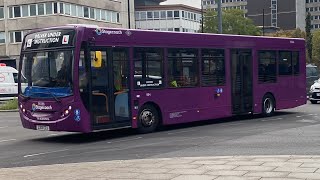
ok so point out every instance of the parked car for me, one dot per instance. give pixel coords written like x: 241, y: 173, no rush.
x: 312, y: 74
x: 315, y: 92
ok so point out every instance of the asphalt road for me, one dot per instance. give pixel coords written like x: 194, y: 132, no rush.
x: 290, y: 132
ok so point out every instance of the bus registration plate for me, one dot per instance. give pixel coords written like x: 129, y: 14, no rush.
x: 42, y: 128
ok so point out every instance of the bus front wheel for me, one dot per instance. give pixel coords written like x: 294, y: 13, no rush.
x: 268, y: 105
x: 148, y: 119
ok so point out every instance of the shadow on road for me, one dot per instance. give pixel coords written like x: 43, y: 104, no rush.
x: 81, y: 138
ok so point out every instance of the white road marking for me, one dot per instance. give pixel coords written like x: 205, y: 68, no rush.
x: 50, y: 152
x: 274, y: 119
x: 233, y: 124
x: 124, y: 140
x: 178, y: 132
x: 4, y: 127
x: 7, y: 140
x: 52, y: 134
x: 307, y: 121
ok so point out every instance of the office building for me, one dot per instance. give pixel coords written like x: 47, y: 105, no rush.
x: 20, y: 16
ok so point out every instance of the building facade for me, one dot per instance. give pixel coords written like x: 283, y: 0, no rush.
x: 179, y: 18
x: 20, y: 16
x: 313, y: 7
x: 226, y: 4
x: 285, y: 14
x: 273, y: 14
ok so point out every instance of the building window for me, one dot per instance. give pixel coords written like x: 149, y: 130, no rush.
x: 183, y: 67
x: 49, y: 9
x: 61, y: 8
x: 156, y: 15
x: 25, y: 10
x: 213, y: 67
x: 176, y: 14
x: 169, y: 14
x: 40, y: 9
x: 148, y: 67
x: 17, y: 11
x: 103, y: 15
x: 267, y: 66
x: 55, y: 8
x: 16, y: 37
x: 92, y: 13
x: 80, y: 11
x: 2, y: 37
x: 163, y: 14
x: 67, y: 9
x: 86, y: 12
x: 33, y: 10
x: 1, y: 13
x: 149, y: 15
x: 98, y: 14
x: 73, y: 10
x: 285, y: 63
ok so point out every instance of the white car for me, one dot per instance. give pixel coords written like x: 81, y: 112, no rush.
x: 8, y: 82
x: 315, y: 92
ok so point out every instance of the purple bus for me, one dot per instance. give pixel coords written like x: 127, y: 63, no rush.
x: 82, y: 78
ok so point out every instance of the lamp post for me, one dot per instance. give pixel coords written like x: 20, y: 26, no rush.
x: 202, y: 16
x: 219, y: 16
x: 262, y: 22
x: 129, y: 18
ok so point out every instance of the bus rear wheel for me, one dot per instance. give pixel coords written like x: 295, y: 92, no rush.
x: 268, y: 105
x: 148, y: 119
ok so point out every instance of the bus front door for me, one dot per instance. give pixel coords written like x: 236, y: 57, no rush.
x: 241, y: 78
x: 109, y: 86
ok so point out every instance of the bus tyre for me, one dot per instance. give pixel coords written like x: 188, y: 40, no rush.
x: 148, y: 119
x: 268, y: 105
x: 313, y: 102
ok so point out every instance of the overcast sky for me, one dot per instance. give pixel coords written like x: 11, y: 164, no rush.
x: 194, y: 3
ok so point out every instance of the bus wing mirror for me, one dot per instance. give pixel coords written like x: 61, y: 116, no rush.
x: 97, y: 61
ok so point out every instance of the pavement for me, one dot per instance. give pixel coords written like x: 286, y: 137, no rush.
x: 282, y: 167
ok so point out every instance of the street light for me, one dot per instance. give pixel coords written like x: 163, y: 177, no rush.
x: 129, y: 18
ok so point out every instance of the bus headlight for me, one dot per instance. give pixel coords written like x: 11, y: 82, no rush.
x: 66, y: 112
x: 24, y: 110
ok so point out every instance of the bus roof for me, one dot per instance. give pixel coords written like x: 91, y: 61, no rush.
x: 90, y: 26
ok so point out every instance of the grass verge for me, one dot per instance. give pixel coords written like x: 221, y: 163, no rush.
x: 10, y: 105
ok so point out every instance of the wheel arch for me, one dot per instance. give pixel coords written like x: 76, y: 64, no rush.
x: 157, y: 107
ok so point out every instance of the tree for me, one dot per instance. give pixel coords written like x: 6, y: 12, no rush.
x: 297, y: 33
x: 316, y: 47
x: 309, y: 37
x: 233, y: 22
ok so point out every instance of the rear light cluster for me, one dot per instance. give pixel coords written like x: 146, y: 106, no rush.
x: 66, y: 112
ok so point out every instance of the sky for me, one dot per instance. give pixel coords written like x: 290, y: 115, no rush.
x: 194, y: 3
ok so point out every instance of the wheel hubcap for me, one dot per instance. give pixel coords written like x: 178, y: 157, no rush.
x: 147, y: 118
x: 268, y: 105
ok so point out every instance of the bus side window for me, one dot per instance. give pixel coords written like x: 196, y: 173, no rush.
x: 183, y: 67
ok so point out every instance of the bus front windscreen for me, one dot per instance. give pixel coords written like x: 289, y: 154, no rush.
x: 48, y: 74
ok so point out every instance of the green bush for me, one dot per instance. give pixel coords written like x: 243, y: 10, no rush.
x: 9, y: 105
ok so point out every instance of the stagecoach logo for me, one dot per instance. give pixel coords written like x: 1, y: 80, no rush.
x: 128, y: 33
x: 100, y: 31
x: 40, y: 106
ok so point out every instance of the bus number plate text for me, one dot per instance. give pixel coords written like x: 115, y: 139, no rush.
x: 42, y: 128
